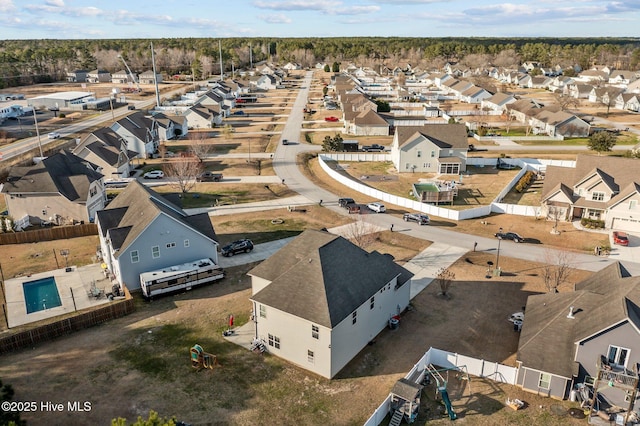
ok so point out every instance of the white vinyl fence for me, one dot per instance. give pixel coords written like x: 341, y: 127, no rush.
x: 443, y: 359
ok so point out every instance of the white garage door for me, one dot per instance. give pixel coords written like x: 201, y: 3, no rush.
x: 625, y: 224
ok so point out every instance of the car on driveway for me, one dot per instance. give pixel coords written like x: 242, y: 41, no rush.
x: 620, y: 238
x: 510, y: 236
x: 154, y: 174
x: 332, y: 119
x: 419, y: 218
x: 377, y: 207
x: 240, y: 246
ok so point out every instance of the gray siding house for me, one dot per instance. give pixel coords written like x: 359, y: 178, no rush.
x: 569, y: 338
x: 432, y: 148
x: 320, y: 299
x: 141, y: 231
x: 140, y: 132
x: 107, y: 150
x: 61, y: 189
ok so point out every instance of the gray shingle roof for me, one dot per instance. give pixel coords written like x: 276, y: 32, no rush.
x: 443, y: 135
x: 63, y: 173
x: 129, y: 214
x: 323, y: 277
x: 548, y: 339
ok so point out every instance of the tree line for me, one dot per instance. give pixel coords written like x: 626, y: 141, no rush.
x: 36, y: 61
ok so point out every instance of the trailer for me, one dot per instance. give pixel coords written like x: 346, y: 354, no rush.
x: 179, y: 277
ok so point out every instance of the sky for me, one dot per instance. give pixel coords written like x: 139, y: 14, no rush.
x: 78, y: 19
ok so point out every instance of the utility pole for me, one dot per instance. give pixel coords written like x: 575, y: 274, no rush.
x: 35, y: 119
x: 220, y: 51
x: 250, y: 57
x: 155, y: 77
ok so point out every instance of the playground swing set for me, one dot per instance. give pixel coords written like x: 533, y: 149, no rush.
x: 201, y: 359
x: 441, y: 384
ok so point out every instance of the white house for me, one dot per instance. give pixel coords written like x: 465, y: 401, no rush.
x: 141, y: 231
x: 140, y: 132
x: 435, y: 148
x: 320, y: 299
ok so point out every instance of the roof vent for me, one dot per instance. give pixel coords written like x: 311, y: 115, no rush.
x: 570, y: 316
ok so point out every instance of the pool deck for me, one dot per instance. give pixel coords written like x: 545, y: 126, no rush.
x: 74, y: 288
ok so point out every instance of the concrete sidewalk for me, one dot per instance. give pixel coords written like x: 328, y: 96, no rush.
x: 295, y: 201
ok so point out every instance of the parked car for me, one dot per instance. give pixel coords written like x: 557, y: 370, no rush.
x: 373, y: 148
x: 154, y: 174
x: 240, y: 246
x: 510, y: 236
x: 345, y: 202
x: 238, y: 113
x: 131, y: 107
x: 377, y: 207
x: 331, y: 119
x: 54, y: 135
x: 419, y: 218
x: 285, y: 141
x: 620, y: 238
x: 209, y: 177
x: 241, y: 101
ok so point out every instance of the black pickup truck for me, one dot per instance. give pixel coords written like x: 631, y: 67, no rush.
x: 373, y: 148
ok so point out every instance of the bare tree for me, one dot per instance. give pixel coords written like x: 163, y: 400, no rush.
x: 566, y: 102
x: 199, y: 145
x: 556, y: 269
x: 361, y: 233
x: 444, y: 278
x: 183, y: 172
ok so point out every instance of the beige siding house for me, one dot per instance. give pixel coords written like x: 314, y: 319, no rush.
x: 433, y: 148
x: 320, y: 299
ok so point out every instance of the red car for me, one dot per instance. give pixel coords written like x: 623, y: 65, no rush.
x: 241, y: 101
x: 332, y: 119
x: 620, y: 238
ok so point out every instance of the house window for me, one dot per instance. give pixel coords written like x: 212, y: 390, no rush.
x: 633, y: 204
x: 93, y: 191
x: 545, y: 381
x: 155, y: 252
x: 310, y: 356
x: 597, y: 196
x: 433, y: 154
x: 263, y: 311
x: 406, y: 166
x: 419, y: 153
x: 186, y: 243
x: 315, y: 331
x: 274, y: 341
x: 171, y: 245
x: 618, y: 355
x: 354, y: 317
x: 135, y: 256
x: 372, y: 302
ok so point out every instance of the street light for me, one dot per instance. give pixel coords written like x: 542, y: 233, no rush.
x: 497, y: 270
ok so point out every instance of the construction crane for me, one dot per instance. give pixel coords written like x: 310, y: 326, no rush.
x: 133, y: 77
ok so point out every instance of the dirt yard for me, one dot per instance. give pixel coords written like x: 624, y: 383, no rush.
x: 141, y: 362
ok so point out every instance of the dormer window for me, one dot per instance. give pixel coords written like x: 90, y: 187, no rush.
x: 597, y: 196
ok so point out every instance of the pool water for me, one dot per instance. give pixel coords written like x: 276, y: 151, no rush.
x: 41, y: 294
x: 426, y: 187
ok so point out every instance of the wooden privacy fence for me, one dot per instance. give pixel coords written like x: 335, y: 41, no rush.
x: 48, y: 234
x: 29, y: 338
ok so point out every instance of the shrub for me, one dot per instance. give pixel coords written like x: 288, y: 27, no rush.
x: 592, y: 223
x: 525, y: 181
x: 62, y: 115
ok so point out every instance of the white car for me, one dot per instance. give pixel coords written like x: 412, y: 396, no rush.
x: 54, y: 135
x: 154, y: 174
x: 377, y: 207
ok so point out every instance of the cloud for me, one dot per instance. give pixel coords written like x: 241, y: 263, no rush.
x: 402, y: 2
x: 327, y: 7
x: 7, y: 6
x: 55, y: 3
x: 276, y: 19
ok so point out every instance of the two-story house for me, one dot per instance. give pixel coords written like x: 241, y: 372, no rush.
x: 107, y: 150
x: 61, y: 189
x: 432, y: 148
x: 598, y: 187
x: 141, y: 231
x: 574, y: 337
x: 140, y: 132
x: 320, y: 299
x: 98, y: 76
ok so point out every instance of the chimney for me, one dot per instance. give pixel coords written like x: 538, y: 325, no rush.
x: 570, y: 316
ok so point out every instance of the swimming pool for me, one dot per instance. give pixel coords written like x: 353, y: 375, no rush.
x: 426, y: 187
x: 41, y: 294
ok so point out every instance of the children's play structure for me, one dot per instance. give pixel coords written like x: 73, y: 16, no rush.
x: 441, y: 384
x: 201, y: 359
